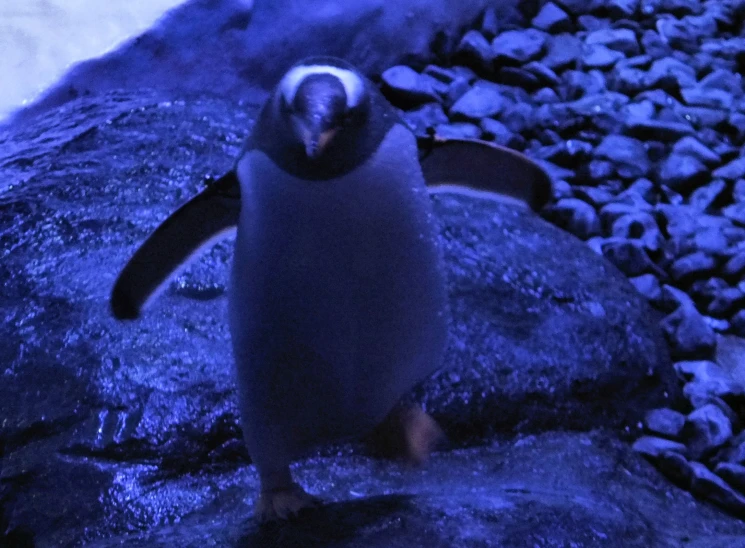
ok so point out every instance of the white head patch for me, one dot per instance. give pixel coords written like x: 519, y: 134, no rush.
x: 354, y: 87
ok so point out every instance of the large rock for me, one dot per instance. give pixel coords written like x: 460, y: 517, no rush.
x: 245, y: 46
x: 556, y: 489
x: 545, y: 333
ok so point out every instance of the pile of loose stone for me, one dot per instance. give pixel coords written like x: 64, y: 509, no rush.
x: 636, y: 108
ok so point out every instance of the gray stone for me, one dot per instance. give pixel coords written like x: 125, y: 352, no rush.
x: 691, y: 146
x: 682, y: 173
x: 545, y: 95
x: 562, y: 51
x: 706, y: 484
x: 705, y: 197
x: 665, y: 422
x: 627, y: 153
x: 639, y: 226
x: 738, y: 323
x: 707, y: 97
x: 661, y: 130
x: 545, y: 75
x: 726, y: 302
x: 654, y: 447
x: 622, y: 40
x: 731, y: 171
x: 481, y: 101
x: 669, y: 71
x: 628, y: 256
x: 500, y: 134
x: 676, y: 467
x: 475, y: 48
x: 706, y: 429
x: 575, y: 216
x: 733, y: 474
x: 693, y: 266
x: 736, y: 213
x: 628, y: 80
x: 518, y: 46
x: 425, y: 117
x: 406, y: 85
x: 688, y: 332
x: 738, y: 191
x: 599, y: 56
x: 458, y: 130
x: 653, y: 45
x: 553, y: 19
x: 648, y: 285
x: 618, y: 9
x: 595, y: 196
x: 735, y: 267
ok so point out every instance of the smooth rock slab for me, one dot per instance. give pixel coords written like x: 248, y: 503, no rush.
x: 545, y: 333
x: 551, y: 490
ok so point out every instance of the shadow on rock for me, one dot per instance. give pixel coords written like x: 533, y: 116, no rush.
x: 330, y: 524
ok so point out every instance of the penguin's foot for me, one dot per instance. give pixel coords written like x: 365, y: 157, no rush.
x: 282, y: 504
x: 407, y: 432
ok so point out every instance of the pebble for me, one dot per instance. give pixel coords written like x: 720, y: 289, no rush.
x: 661, y: 130
x: 732, y: 473
x: 500, y: 134
x: 706, y: 429
x: 648, y: 285
x: 707, y: 484
x: 682, y: 173
x: 688, y: 333
x: 475, y: 48
x: 707, y: 196
x: 691, y: 146
x: 735, y: 266
x: 481, y: 101
x: 562, y: 51
x: 575, y: 216
x: 693, y: 266
x: 652, y: 446
x: 551, y: 18
x: 619, y: 39
x: 458, y: 130
x: 627, y: 153
x: 727, y: 301
x: 639, y: 226
x: 735, y: 213
x: 518, y: 46
x: 665, y: 422
x: 410, y: 87
x: 629, y: 257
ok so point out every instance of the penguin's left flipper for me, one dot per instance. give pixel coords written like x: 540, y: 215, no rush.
x: 471, y: 166
x: 209, y: 216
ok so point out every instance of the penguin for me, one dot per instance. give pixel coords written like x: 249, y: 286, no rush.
x: 337, y: 298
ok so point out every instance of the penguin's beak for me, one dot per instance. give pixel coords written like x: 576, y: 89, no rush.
x: 315, y: 135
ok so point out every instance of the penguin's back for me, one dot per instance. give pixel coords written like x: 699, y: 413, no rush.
x: 338, y: 302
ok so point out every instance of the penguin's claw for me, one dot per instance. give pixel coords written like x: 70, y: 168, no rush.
x: 283, y: 504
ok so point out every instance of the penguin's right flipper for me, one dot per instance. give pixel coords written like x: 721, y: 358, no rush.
x: 485, y: 168
x: 207, y: 217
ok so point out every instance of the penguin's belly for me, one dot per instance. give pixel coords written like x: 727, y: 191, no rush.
x: 338, y: 303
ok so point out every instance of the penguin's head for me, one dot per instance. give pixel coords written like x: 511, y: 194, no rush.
x: 317, y: 100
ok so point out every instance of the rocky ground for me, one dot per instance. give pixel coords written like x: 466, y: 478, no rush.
x: 637, y: 109
x: 560, y: 350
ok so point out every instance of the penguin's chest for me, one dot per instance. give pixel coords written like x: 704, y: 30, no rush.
x: 338, y: 289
